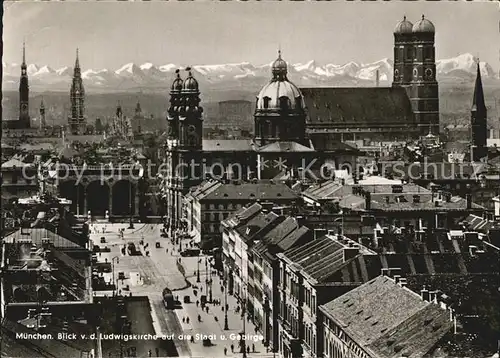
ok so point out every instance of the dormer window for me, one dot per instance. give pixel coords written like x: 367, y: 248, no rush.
x: 266, y: 102
x: 284, y: 103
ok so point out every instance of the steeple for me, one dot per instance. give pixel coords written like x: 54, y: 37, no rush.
x: 23, y: 64
x: 478, y: 99
x: 479, y: 129
x: 77, y: 62
x: 24, y: 117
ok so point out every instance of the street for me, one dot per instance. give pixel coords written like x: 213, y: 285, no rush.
x: 149, y: 275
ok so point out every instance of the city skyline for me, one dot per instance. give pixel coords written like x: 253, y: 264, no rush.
x: 255, y: 37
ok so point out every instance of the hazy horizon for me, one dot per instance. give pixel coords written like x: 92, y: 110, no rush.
x: 110, y: 35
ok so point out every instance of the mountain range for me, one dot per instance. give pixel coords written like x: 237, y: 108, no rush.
x: 149, y: 76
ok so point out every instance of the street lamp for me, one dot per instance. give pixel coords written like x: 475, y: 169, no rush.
x: 206, y: 275
x: 243, y: 313
x: 198, y: 270
x: 226, y: 325
x: 117, y: 258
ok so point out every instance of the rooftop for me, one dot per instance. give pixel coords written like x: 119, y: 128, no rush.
x: 389, y: 320
x: 247, y: 191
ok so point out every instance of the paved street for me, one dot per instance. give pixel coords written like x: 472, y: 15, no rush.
x: 159, y: 270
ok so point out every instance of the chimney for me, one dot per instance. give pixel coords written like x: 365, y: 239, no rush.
x: 384, y: 272
x: 377, y: 78
x: 425, y: 294
x: 433, y: 296
x: 468, y: 200
x: 368, y: 201
x: 350, y: 252
x: 318, y: 233
x: 403, y: 282
x: 397, y: 278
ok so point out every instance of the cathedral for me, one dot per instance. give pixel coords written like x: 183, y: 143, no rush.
x: 373, y: 116
x: 76, y: 120
x: 281, y: 148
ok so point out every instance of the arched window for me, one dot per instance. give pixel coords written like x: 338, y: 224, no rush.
x: 284, y: 103
x: 266, y: 102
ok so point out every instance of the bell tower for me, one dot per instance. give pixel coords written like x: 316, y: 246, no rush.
x: 43, y: 123
x: 77, y: 120
x: 24, y: 116
x: 424, y: 92
x: 403, y: 54
x: 479, y: 120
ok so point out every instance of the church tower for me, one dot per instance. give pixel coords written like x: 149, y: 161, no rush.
x: 24, y: 116
x: 478, y: 119
x: 138, y: 118
x: 43, y: 123
x: 424, y: 92
x: 403, y: 54
x: 184, y: 144
x: 77, y: 120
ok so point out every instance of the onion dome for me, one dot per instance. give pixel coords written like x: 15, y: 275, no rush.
x: 190, y: 84
x: 177, y: 84
x: 424, y: 26
x: 280, y: 93
x: 403, y: 27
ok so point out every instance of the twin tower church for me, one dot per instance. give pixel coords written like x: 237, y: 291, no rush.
x: 312, y: 117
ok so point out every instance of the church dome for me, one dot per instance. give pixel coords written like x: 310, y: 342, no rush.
x: 280, y: 93
x: 424, y: 26
x: 190, y: 84
x: 177, y: 84
x: 404, y: 27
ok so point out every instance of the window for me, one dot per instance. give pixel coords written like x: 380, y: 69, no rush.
x: 284, y: 103
x: 266, y: 102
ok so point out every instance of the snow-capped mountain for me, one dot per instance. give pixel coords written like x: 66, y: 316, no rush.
x: 132, y: 76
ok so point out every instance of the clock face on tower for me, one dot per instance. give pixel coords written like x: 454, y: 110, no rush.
x: 24, y: 107
x: 396, y: 73
x: 429, y: 74
x: 415, y: 73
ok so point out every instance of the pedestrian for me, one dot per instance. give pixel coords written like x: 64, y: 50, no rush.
x: 248, y: 349
x: 232, y: 348
x: 207, y: 309
x: 183, y: 319
x: 149, y: 353
x: 166, y: 250
x: 197, y: 303
x: 216, y: 319
x: 253, y: 348
x: 225, y: 351
x: 157, y: 352
x: 187, y: 320
x: 192, y: 339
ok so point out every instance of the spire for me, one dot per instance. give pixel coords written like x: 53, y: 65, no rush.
x: 404, y: 18
x: 77, y: 62
x: 41, y: 104
x: 24, y: 54
x: 478, y: 99
x: 423, y: 17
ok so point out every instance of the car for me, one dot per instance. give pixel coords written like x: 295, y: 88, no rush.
x: 121, y: 275
x: 103, y: 240
x: 190, y: 252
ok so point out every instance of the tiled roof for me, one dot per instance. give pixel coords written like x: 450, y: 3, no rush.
x: 318, y: 258
x: 477, y: 223
x: 227, y: 145
x: 278, y: 147
x: 373, y: 106
x: 251, y: 191
x: 291, y: 239
x: 35, y: 235
x: 389, y: 320
x: 426, y: 203
x: 242, y: 215
x: 259, y: 225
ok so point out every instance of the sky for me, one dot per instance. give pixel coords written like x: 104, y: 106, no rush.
x: 110, y: 34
